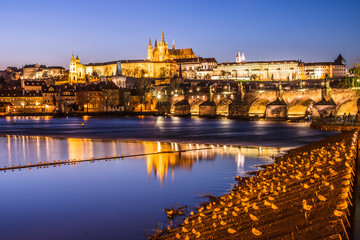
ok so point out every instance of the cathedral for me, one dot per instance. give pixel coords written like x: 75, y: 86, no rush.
x: 161, y: 52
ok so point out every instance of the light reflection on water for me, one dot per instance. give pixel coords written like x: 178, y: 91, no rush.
x: 33, y: 149
x: 110, y: 200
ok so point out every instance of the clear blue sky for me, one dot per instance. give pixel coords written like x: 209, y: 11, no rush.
x: 47, y: 32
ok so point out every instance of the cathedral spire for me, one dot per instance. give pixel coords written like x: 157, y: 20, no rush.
x: 162, y: 38
x: 155, y: 42
x: 173, y: 47
x: 150, y: 41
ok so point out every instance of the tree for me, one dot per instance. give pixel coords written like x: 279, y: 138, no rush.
x: 95, y: 74
x: 142, y: 73
x: 162, y: 72
x: 136, y: 71
x: 45, y: 74
x: 253, y: 77
x: 106, y: 71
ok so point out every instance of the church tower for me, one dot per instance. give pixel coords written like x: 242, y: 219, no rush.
x: 72, y: 75
x: 238, y: 57
x: 173, y: 46
x: 162, y: 49
x: 149, y: 51
x: 77, y: 70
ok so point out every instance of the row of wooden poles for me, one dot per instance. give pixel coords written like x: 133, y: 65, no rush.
x: 92, y: 159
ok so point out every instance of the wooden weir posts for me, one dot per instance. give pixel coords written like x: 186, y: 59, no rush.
x: 75, y: 161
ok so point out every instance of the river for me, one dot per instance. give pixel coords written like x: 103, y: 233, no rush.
x: 125, y: 199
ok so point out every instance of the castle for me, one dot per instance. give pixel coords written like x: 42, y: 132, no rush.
x: 161, y: 52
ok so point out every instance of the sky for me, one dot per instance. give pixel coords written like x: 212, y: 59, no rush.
x: 47, y: 32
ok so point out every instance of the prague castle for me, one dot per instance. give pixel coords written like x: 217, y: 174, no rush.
x: 160, y: 62
x: 78, y: 71
x: 163, y: 62
x: 161, y: 52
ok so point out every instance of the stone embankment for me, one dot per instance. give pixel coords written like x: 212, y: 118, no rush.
x: 305, y: 194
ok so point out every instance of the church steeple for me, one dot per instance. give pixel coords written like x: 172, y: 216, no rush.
x: 162, y: 39
x: 150, y: 51
x: 72, y: 57
x: 238, y: 57
x: 173, y: 46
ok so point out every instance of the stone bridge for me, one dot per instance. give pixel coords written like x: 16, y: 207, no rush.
x: 266, y: 104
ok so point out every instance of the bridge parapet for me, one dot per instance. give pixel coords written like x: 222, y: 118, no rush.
x: 299, y: 102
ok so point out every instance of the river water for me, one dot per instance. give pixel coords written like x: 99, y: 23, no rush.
x: 125, y: 199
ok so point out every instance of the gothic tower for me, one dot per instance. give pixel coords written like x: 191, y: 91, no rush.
x: 149, y: 51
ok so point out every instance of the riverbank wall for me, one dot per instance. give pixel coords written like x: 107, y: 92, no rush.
x: 305, y: 194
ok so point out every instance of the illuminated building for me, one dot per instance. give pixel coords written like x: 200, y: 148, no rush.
x: 5, y: 108
x: 261, y: 70
x: 90, y: 98
x: 279, y: 70
x: 51, y: 96
x: 105, y: 69
x: 24, y: 102
x: 160, y: 62
x: 319, y: 70
x: 149, y: 69
x: 36, y: 71
x: 200, y: 68
x: 77, y: 70
x: 161, y: 52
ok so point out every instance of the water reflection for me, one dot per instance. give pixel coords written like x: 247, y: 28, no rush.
x: 33, y: 149
x: 173, y: 176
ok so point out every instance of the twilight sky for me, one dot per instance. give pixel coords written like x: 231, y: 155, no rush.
x: 48, y: 31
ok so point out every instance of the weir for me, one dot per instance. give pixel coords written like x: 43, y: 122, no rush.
x: 75, y: 161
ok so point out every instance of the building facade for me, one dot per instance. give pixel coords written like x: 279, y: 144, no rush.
x: 36, y: 71
x: 161, y: 52
x: 280, y: 70
x: 262, y: 70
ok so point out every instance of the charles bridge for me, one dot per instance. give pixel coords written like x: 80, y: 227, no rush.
x: 270, y: 104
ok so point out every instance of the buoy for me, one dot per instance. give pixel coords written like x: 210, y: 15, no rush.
x: 82, y: 124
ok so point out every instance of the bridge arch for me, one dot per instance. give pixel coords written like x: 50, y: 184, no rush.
x: 172, y: 109
x: 300, y: 108
x: 222, y: 107
x: 258, y: 107
x: 194, y: 107
x: 347, y: 106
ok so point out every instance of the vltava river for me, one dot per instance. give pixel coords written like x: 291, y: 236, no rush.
x: 124, y: 199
